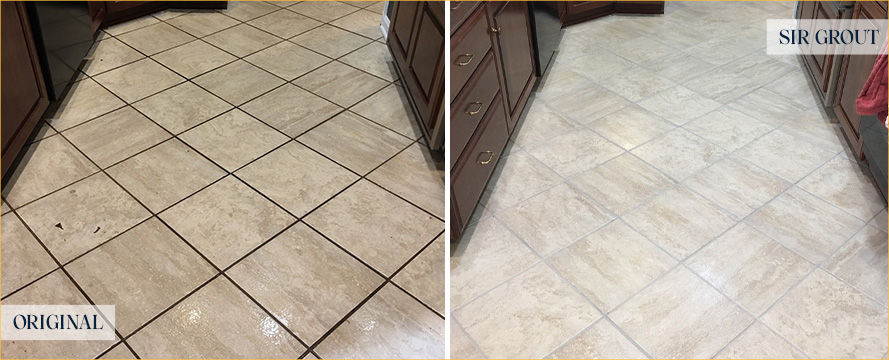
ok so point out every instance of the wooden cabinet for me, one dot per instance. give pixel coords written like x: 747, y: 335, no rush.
x: 573, y: 12
x: 24, y: 95
x: 105, y: 13
x: 416, y: 39
x: 821, y: 66
x: 511, y: 28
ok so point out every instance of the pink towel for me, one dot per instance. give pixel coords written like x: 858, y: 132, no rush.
x: 873, y: 98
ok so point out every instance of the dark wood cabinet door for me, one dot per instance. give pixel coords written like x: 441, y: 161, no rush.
x: 819, y: 65
x: 576, y: 8
x: 512, y: 31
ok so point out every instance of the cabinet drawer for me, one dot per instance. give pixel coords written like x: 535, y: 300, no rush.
x: 468, y: 49
x: 472, y: 104
x: 479, y: 160
x: 460, y: 10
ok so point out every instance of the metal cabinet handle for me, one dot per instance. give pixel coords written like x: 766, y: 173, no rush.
x: 496, y: 31
x: 454, y: 7
x: 476, y: 111
x: 486, y: 162
x: 467, y: 61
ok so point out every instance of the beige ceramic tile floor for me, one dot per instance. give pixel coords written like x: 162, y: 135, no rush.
x: 670, y: 197
x: 240, y: 184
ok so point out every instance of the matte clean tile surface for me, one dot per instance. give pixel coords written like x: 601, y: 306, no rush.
x: 242, y: 40
x: 621, y: 183
x: 340, y: 83
x: 331, y: 41
x: 116, y: 136
x: 182, y: 107
x: 194, y: 58
x: 760, y: 342
x: 600, y: 341
x: 356, y: 143
x: 285, y: 24
x: 138, y: 80
x: 862, y: 262
x: 48, y: 166
x: 233, y: 139
x: 238, y: 82
x: 201, y: 23
x: 155, y: 38
x: 291, y: 109
x: 425, y: 276
x: 287, y: 60
x: 86, y: 100
x: 24, y: 258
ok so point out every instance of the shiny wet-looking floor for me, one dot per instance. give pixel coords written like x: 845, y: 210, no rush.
x: 245, y: 183
x: 674, y: 192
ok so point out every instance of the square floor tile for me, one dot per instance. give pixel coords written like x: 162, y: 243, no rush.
x: 760, y: 67
x: 116, y: 136
x: 287, y: 60
x: 518, y: 177
x: 862, y: 262
x: 242, y: 40
x: 155, y: 38
x: 82, y: 216
x: 226, y: 220
x: 679, y: 153
x: 769, y: 107
x: 165, y: 174
x: 727, y: 128
x: 461, y: 346
x: 606, y: 64
x: 202, y: 23
x: 630, y: 127
x: 330, y: 41
x: 291, y: 109
x: 296, y: 177
x: 678, y: 67
x: 721, y: 85
x: 248, y: 10
x: 527, y: 317
x: 817, y: 128
x: 233, y: 139
x: 679, y: 221
x: 636, y: 83
x: 217, y: 321
x: 181, y: 107
x: 737, y: 186
x: 238, y: 82
x: 194, y: 58
x: 829, y: 319
x: 24, y: 259
x: 795, y: 85
x: 806, y: 224
x: 46, y: 166
x: 415, y: 176
x: 361, y: 22
x: 601, y: 341
x: 375, y: 59
x: 109, y: 54
x: 680, y: 316
x: 285, y: 24
x: 539, y: 124
x: 621, y: 183
x: 308, y: 283
x: 424, y: 277
x: 611, y: 264
x: 325, y: 11
x: 554, y: 218
x: 642, y: 49
x: 785, y: 155
x: 390, y: 107
x: 120, y: 351
x: 586, y: 103
x: 575, y: 152
x: 149, y: 260
x: 355, y: 143
x: 86, y: 100
x: 340, y: 83
x: 397, y: 320
x: 131, y: 25
x: 760, y: 342
x: 880, y: 221
x: 376, y: 226
x: 569, y: 80
x: 138, y: 80
x: 5, y: 207
x: 848, y: 185
x: 749, y: 267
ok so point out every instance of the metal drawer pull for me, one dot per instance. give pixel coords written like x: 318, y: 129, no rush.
x: 456, y: 6
x: 496, y: 31
x: 476, y: 111
x: 490, y: 157
x: 467, y: 61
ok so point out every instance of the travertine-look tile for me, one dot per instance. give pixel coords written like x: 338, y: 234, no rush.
x: 242, y: 40
x: 169, y: 14
x: 149, y: 260
x: 138, y: 80
x: 5, y: 207
x: 621, y: 183
x: 600, y: 341
x: 679, y: 153
x: 233, y: 139
x: 760, y: 342
x: 630, y: 127
x: 721, y: 85
x: 131, y: 25
x: 829, y: 319
x: 642, y: 50
x: 540, y: 123
x: 308, y: 283
x: 554, y: 218
x: 340, y: 83
x: 768, y: 107
x: 81, y: 216
x: 361, y: 22
x: 155, y: 38
x: 291, y: 109
x: 785, y: 155
x: 55, y: 288
x: 330, y: 41
x: 680, y: 316
x: 226, y: 220
x: 165, y: 174
x: 296, y: 177
x: 424, y: 277
x: 880, y: 221
x: 391, y: 325
x: 586, y: 111
x: 415, y: 176
x: 749, y: 267
x: 611, y: 264
x: 247, y: 10
x: 217, y: 321
x: 116, y: 136
x: 566, y: 79
x: 24, y: 259
x: 181, y: 107
x: 462, y: 346
x: 285, y: 24
x: 795, y: 85
x: 808, y: 225
x: 373, y: 58
x: 120, y: 351
x: 287, y: 60
x: 737, y: 185
x: 574, y: 152
x: 862, y: 262
x: 817, y: 128
x: 680, y: 221
x: 356, y: 143
x: 376, y: 226
x: 325, y: 11
x: 527, y: 317
x: 679, y: 105
x: 488, y: 255
x: 847, y: 185
x: 194, y: 58
x: 761, y: 68
x: 202, y: 23
x: 637, y: 83
x: 727, y: 128
x: 519, y: 176
x: 109, y: 54
x: 238, y: 82
x: 678, y: 67
x: 86, y: 100
x: 390, y: 107
x: 46, y: 166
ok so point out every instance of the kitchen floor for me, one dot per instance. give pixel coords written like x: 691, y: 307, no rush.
x: 713, y: 212
x: 246, y: 183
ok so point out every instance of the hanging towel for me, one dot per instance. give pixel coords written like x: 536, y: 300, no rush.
x: 873, y: 98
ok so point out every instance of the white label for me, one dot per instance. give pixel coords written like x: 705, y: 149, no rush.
x: 57, y: 322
